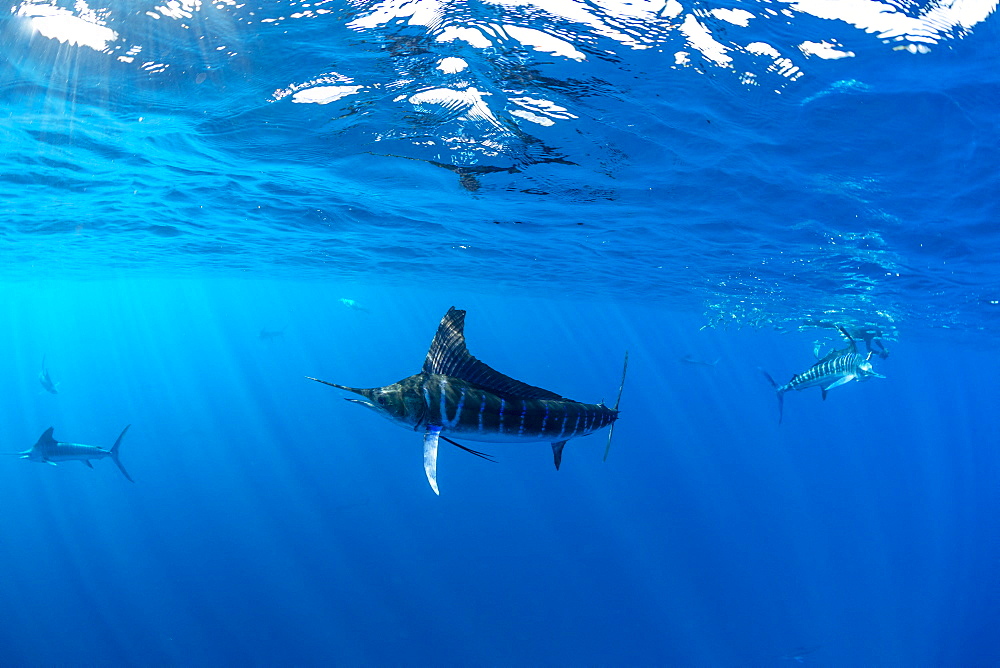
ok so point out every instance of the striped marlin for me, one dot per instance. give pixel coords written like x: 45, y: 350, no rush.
x: 48, y: 450
x: 837, y: 368
x: 457, y: 394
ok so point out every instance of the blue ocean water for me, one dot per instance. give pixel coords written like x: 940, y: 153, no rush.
x: 205, y: 202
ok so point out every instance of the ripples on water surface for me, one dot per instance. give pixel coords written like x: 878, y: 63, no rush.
x: 766, y: 163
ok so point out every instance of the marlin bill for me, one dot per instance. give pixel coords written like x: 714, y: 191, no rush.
x: 835, y: 369
x: 456, y: 394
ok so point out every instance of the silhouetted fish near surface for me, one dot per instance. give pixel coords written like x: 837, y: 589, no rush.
x: 837, y: 368
x: 48, y: 450
x: 353, y: 305
x: 457, y: 394
x: 46, y: 380
x: 871, y: 334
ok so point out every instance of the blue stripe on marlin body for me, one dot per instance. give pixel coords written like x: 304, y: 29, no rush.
x: 456, y: 394
x: 476, y: 414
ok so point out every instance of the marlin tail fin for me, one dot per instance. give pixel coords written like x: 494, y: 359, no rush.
x: 781, y: 395
x: 611, y: 431
x: 114, y: 454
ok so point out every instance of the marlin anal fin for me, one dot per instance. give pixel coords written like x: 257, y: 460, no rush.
x: 449, y: 356
x: 557, y: 449
x: 87, y: 462
x: 431, y: 456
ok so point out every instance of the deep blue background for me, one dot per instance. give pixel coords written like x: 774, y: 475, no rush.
x: 273, y: 523
x: 163, y: 200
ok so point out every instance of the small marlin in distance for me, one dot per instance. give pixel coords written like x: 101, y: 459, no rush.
x: 837, y: 368
x: 271, y: 335
x: 457, y: 394
x: 48, y: 450
x: 46, y: 380
x: 353, y: 305
x: 799, y: 654
x: 691, y: 359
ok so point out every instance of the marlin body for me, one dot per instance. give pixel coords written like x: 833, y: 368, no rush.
x: 456, y: 394
x: 48, y: 450
x: 835, y: 369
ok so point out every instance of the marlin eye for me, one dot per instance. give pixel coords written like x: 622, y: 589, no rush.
x: 381, y: 400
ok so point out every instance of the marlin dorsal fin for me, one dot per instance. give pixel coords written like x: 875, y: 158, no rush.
x: 46, y: 437
x: 449, y: 356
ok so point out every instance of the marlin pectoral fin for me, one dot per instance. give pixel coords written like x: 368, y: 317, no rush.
x: 488, y: 457
x: 557, y: 449
x: 49, y: 462
x: 431, y: 456
x: 87, y: 462
x: 838, y: 383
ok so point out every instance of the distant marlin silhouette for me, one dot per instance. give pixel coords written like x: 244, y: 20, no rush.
x: 799, y: 654
x: 49, y: 451
x: 271, y: 334
x: 46, y: 380
x: 691, y: 359
x: 457, y: 394
x: 352, y: 304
